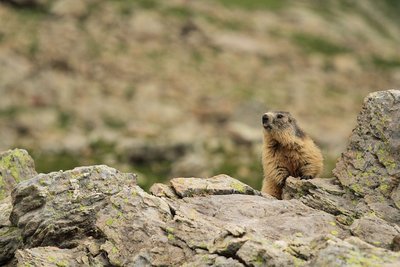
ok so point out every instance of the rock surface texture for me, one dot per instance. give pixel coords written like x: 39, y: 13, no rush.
x: 98, y: 216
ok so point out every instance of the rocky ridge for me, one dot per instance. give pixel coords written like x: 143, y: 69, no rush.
x: 99, y: 216
x: 210, y: 67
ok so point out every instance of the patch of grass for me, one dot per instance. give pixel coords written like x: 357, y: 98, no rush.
x: 254, y: 4
x: 329, y: 165
x: 129, y: 92
x: 393, y: 8
x: 152, y: 172
x: 127, y: 6
x: 385, y: 64
x: 233, y: 25
x: 178, y: 11
x: 315, y: 44
x: 102, y: 147
x: 49, y: 162
x: 10, y: 112
x: 34, y: 46
x: 114, y: 123
x: 64, y: 119
x: 197, y: 57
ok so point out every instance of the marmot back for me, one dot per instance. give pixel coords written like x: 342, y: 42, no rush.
x: 287, y: 151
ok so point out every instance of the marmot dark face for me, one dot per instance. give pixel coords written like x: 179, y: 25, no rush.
x: 281, y: 122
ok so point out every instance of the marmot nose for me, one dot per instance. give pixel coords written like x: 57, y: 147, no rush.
x: 265, y: 119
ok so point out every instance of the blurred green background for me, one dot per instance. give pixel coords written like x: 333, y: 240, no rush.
x: 177, y: 88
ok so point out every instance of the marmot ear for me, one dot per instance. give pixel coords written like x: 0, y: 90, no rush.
x: 290, y: 120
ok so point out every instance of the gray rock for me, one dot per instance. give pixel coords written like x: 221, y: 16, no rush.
x: 323, y: 194
x: 59, y: 208
x: 162, y: 190
x: 368, y: 173
x: 353, y: 252
x: 70, y: 8
x: 370, y: 167
x: 374, y: 231
x: 97, y: 216
x: 52, y: 256
x: 15, y: 166
x: 10, y: 241
x: 5, y: 211
x: 218, y: 185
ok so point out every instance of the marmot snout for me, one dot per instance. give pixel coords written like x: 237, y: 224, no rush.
x: 287, y: 151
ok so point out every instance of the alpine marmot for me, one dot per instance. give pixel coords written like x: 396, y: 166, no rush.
x: 287, y: 151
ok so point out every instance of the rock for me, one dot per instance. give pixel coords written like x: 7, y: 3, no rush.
x: 218, y: 185
x: 147, y: 25
x: 248, y: 228
x: 375, y: 231
x: 5, y: 211
x: 368, y: 173
x: 239, y: 43
x: 15, y: 166
x: 52, y: 256
x: 353, y: 252
x: 98, y: 216
x: 370, y: 167
x: 10, y: 237
x: 162, y: 190
x: 10, y: 241
x: 58, y: 208
x: 72, y: 8
x: 323, y: 194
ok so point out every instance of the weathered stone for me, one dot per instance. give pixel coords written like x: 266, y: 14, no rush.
x: 370, y: 166
x: 10, y: 241
x: 134, y: 225
x: 5, y: 211
x: 59, y: 208
x: 162, y: 190
x: 323, y: 194
x: 374, y: 231
x: 352, y: 252
x: 52, y: 256
x: 71, y: 8
x: 15, y: 166
x: 218, y: 185
x: 201, y: 260
x: 234, y: 225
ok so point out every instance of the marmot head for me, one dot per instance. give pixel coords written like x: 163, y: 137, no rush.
x: 281, y: 124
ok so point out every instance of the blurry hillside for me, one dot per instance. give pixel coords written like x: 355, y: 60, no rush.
x: 177, y: 88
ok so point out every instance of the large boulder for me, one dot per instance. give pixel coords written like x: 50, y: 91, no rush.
x: 131, y: 227
x: 365, y: 193
x: 98, y: 216
x: 60, y: 208
x: 15, y: 166
x: 370, y: 167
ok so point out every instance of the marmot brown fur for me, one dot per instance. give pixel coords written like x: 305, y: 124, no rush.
x: 287, y: 151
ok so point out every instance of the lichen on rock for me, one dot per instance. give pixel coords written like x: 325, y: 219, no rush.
x: 98, y: 216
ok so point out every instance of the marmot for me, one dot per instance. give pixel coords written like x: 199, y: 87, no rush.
x: 287, y: 151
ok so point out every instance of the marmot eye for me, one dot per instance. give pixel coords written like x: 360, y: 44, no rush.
x: 279, y: 116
